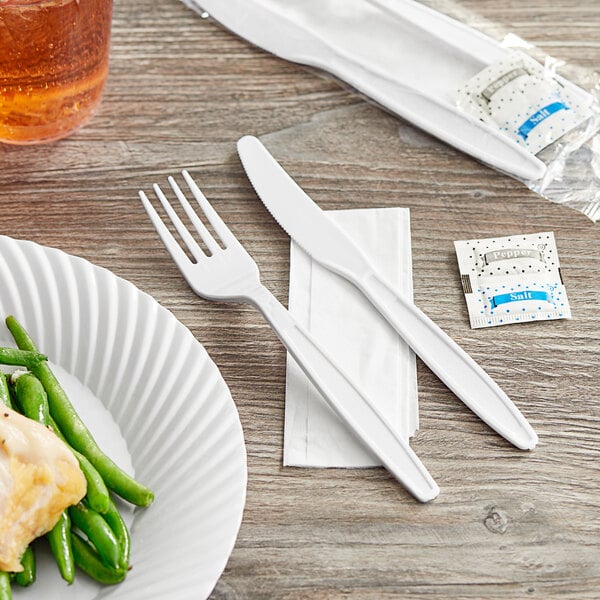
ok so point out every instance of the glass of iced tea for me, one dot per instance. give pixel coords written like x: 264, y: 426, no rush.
x: 53, y: 66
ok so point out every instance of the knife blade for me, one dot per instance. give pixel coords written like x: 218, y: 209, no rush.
x: 326, y: 243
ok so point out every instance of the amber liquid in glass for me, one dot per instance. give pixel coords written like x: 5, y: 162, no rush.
x: 53, y: 66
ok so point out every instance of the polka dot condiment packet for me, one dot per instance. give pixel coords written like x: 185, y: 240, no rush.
x: 513, y: 279
x: 524, y: 100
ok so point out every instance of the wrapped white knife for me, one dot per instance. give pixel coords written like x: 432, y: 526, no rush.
x: 327, y: 244
x: 403, y: 55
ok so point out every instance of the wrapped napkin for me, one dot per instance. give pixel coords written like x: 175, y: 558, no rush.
x: 357, y: 337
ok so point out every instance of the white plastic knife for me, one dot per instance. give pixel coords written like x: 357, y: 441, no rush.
x: 326, y: 243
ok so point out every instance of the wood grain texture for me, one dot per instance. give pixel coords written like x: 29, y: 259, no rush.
x: 507, y: 524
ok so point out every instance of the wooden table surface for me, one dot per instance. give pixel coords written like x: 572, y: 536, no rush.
x: 507, y: 524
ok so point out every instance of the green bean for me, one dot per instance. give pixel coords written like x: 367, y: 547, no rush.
x: 4, y: 391
x: 32, y: 398
x: 5, y: 588
x: 75, y: 431
x: 13, y: 397
x: 27, y: 575
x: 98, y: 532
x: 97, y: 494
x: 115, y: 522
x: 89, y: 562
x: 59, y: 538
x: 20, y: 357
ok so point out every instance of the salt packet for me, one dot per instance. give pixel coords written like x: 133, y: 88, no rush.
x: 513, y: 279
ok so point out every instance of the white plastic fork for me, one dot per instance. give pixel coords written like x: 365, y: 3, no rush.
x: 229, y: 273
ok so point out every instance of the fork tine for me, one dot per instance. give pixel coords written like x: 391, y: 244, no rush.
x: 203, y: 232
x: 182, y: 230
x: 211, y: 214
x: 178, y: 255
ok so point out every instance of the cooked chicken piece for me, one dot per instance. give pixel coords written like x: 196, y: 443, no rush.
x: 39, y: 478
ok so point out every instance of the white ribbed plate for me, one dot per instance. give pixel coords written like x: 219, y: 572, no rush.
x: 167, y: 396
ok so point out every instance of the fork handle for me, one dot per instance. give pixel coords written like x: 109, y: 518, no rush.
x: 346, y: 400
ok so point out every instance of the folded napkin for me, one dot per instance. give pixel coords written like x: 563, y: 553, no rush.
x: 357, y: 337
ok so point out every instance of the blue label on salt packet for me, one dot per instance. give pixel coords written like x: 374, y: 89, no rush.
x: 531, y: 295
x: 541, y: 115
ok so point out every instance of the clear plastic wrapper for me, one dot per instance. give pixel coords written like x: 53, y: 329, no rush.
x: 528, y: 102
x: 572, y: 175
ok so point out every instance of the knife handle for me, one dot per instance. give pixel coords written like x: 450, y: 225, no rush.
x: 346, y: 400
x: 450, y: 362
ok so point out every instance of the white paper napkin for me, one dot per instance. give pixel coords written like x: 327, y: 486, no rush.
x: 357, y: 337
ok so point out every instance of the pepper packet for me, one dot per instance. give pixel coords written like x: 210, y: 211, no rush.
x: 513, y: 279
